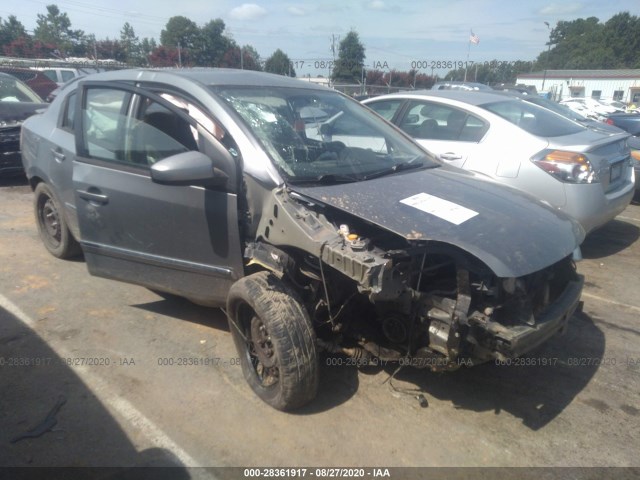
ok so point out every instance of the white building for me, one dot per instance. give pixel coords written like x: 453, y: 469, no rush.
x: 622, y: 85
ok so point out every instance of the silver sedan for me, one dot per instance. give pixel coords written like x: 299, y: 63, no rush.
x: 587, y: 174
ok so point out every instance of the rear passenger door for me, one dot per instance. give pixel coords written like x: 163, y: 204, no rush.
x: 179, y: 239
x: 452, y: 134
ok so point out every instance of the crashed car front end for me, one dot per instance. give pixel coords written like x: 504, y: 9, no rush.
x: 377, y: 296
x: 396, y: 257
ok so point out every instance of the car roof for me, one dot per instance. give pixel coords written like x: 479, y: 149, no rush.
x: 478, y: 97
x: 206, y: 76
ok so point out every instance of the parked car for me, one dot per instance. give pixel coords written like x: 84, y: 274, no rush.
x: 564, y: 111
x: 341, y: 235
x: 58, y: 74
x: 467, y: 86
x: 635, y: 154
x: 629, y: 122
x: 37, y: 81
x: 618, y: 105
x: 590, y: 107
x: 585, y: 173
x: 17, y: 102
x: 61, y: 75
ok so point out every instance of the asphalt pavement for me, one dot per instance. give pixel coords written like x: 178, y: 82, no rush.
x: 100, y: 373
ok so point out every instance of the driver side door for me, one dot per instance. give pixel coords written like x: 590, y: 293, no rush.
x: 182, y: 239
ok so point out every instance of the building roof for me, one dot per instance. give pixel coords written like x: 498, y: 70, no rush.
x: 604, y: 74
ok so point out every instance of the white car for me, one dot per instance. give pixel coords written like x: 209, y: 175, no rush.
x: 587, y: 174
x: 590, y: 107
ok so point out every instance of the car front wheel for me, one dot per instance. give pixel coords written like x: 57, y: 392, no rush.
x: 275, y: 340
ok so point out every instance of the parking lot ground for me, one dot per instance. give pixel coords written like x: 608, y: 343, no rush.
x: 143, y: 380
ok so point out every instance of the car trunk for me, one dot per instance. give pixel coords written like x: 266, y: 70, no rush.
x: 608, y: 155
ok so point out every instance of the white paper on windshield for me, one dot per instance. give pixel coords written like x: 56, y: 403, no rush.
x: 444, y: 209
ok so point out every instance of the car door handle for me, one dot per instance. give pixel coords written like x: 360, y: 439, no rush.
x: 58, y: 155
x: 450, y: 156
x: 93, y: 196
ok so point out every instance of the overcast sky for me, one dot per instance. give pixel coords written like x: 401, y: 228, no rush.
x: 395, y: 33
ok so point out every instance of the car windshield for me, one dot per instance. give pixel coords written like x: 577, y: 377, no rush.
x: 533, y: 119
x: 315, y: 135
x: 13, y: 90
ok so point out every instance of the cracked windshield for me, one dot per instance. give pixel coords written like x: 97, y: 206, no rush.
x: 323, y: 136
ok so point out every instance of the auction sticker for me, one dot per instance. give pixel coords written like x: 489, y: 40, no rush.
x: 444, y: 209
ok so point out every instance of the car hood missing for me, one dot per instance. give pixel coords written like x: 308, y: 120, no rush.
x: 512, y: 233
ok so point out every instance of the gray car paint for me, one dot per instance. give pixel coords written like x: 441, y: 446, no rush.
x: 490, y: 237
x: 510, y: 236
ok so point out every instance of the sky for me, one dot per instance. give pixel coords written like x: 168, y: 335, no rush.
x: 396, y: 34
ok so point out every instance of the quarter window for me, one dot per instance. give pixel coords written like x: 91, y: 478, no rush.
x: 69, y: 112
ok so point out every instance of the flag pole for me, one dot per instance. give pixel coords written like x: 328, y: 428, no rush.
x: 468, y: 52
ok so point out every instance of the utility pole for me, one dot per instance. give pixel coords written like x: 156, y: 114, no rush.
x: 544, y: 76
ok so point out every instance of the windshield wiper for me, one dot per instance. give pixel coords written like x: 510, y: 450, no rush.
x: 325, y: 179
x: 396, y: 168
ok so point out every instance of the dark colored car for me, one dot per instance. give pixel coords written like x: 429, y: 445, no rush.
x: 17, y: 102
x: 340, y: 234
x: 629, y: 122
x: 35, y: 79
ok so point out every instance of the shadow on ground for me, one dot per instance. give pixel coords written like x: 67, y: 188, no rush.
x: 614, y: 237
x: 337, y: 385
x: 13, y: 181
x: 80, y: 433
x: 535, y: 388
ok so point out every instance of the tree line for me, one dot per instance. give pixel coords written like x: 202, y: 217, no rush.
x: 577, y: 44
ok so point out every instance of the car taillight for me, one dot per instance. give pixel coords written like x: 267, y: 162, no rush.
x: 609, y: 121
x: 569, y: 167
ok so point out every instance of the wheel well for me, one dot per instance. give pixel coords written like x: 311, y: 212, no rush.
x: 34, y: 181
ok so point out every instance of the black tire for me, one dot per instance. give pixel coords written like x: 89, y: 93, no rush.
x: 275, y: 340
x: 52, y: 226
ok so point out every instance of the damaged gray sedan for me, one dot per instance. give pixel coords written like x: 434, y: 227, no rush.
x: 314, y: 223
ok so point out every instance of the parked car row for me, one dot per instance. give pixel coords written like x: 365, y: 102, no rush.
x: 315, y: 222
x: 17, y: 103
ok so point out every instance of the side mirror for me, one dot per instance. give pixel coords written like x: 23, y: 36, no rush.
x: 188, y: 168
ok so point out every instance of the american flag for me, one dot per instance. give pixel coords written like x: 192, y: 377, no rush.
x: 473, y: 38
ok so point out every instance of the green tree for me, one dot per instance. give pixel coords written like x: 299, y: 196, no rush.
x: 577, y: 44
x: 180, y: 32
x: 279, y: 63
x: 108, y: 49
x: 55, y: 28
x: 130, y: 45
x: 350, y: 63
x: 621, y: 33
x: 251, y: 58
x: 147, y: 46
x: 212, y: 44
x: 11, y: 29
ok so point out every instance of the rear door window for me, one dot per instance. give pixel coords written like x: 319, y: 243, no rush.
x: 433, y: 121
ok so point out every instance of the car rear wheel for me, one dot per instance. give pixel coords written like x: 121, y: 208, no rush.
x: 52, y: 226
x: 275, y: 340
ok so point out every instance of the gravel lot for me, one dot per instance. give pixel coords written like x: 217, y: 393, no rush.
x: 119, y: 360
